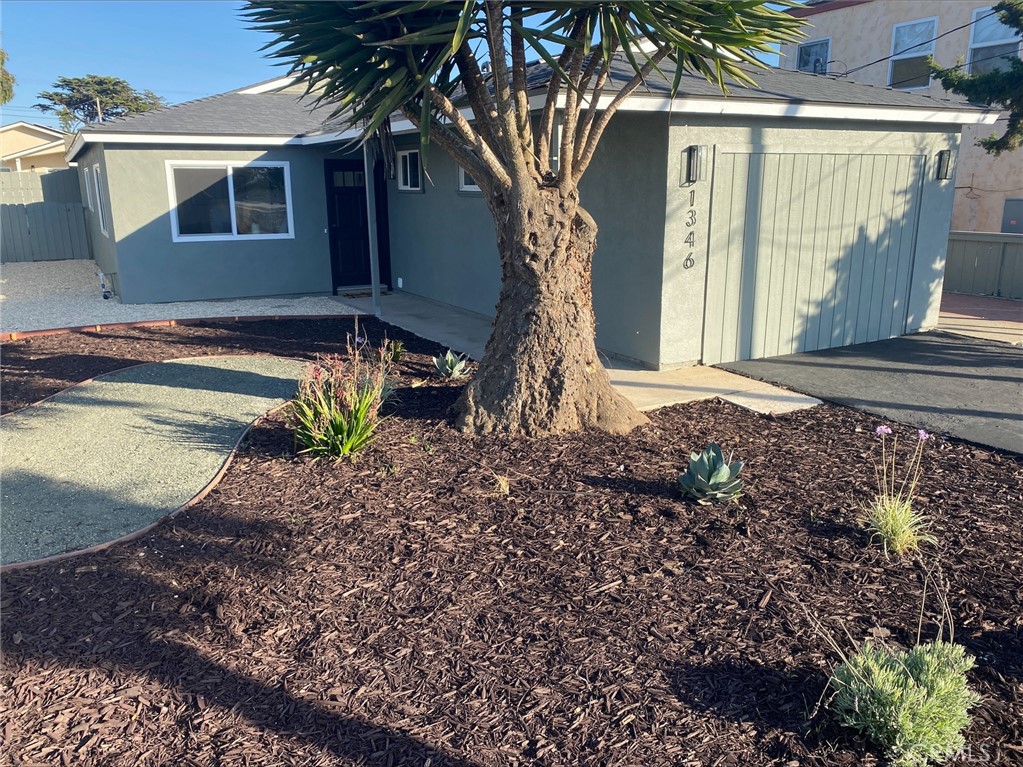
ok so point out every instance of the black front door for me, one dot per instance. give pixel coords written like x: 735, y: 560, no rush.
x: 349, y: 223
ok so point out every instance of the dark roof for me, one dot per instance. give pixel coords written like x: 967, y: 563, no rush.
x: 286, y: 113
x: 282, y: 113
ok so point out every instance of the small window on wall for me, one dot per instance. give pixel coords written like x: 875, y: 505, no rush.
x: 992, y: 43
x: 88, y: 189
x: 409, y: 172
x: 912, y: 43
x: 101, y: 199
x: 223, y: 201
x: 813, y: 57
x: 467, y: 183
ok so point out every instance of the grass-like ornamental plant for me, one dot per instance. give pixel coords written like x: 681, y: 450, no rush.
x: 451, y: 365
x: 912, y: 704
x: 710, y: 477
x: 890, y: 516
x: 337, y: 409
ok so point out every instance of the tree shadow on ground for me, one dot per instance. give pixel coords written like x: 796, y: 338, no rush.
x: 122, y: 613
x: 781, y: 703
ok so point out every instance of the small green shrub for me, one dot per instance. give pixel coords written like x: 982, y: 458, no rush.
x: 890, y: 515
x: 912, y: 704
x: 451, y: 365
x: 392, y: 351
x: 337, y: 409
x: 710, y: 477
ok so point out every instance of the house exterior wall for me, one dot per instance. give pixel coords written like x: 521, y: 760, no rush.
x: 683, y: 291
x: 444, y: 247
x: 154, y: 268
x: 104, y: 247
x: 862, y: 33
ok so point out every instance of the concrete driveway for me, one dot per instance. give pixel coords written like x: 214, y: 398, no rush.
x: 969, y: 388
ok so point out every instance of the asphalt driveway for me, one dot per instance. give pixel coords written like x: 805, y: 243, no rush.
x: 969, y: 388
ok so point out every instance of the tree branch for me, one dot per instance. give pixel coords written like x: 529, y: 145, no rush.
x: 586, y: 124
x: 598, y: 130
x: 523, y: 119
x: 483, y: 108
x: 456, y: 147
x: 502, y: 95
x: 545, y: 131
x: 566, y: 153
x: 486, y: 156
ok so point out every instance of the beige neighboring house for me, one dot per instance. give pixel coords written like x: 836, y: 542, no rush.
x: 886, y: 43
x: 32, y: 147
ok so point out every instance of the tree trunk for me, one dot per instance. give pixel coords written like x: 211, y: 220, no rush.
x: 540, y: 373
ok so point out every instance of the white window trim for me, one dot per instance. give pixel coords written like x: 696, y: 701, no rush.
x: 88, y: 188
x: 910, y: 55
x: 827, y: 58
x: 97, y: 177
x: 977, y: 13
x: 400, y: 157
x: 228, y: 165
x: 465, y: 186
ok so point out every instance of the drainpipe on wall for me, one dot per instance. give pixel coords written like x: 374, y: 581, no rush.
x: 371, y: 215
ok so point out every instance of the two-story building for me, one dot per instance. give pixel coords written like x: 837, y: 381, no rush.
x: 887, y: 43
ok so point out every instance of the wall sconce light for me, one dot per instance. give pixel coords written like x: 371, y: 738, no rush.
x: 945, y: 164
x: 696, y: 164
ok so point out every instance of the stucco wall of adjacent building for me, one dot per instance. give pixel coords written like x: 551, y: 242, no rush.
x: 862, y: 33
x: 153, y: 268
x: 683, y: 292
x: 444, y: 247
x: 19, y: 138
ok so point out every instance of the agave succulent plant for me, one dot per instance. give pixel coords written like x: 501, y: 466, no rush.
x: 710, y: 477
x: 451, y: 365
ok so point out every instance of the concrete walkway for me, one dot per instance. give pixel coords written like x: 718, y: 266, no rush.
x: 467, y: 333
x: 110, y: 457
x: 996, y: 319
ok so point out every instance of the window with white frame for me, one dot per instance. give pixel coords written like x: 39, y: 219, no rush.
x: 912, y: 43
x: 992, y: 43
x: 813, y: 57
x: 467, y: 183
x: 409, y: 172
x: 101, y: 201
x: 88, y: 189
x: 227, y: 201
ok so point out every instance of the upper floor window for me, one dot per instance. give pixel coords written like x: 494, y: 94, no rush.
x: 227, y: 201
x: 409, y: 173
x: 813, y: 57
x: 991, y: 42
x: 912, y: 43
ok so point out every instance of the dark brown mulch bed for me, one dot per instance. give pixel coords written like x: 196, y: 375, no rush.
x: 407, y: 610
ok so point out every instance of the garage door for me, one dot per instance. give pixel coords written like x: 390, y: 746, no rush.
x: 808, y: 251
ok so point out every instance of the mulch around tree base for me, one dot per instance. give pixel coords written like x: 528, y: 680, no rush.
x: 449, y: 600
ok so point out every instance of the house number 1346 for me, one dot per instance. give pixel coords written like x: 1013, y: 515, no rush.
x: 690, y: 239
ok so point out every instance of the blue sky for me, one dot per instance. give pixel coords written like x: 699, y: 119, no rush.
x: 179, y: 50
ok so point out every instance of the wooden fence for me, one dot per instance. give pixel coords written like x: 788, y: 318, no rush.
x: 42, y: 217
x: 985, y: 264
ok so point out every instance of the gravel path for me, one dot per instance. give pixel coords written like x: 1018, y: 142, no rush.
x: 105, y: 459
x: 66, y: 294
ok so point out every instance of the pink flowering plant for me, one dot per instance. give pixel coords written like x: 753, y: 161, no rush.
x: 891, y: 516
x: 337, y: 409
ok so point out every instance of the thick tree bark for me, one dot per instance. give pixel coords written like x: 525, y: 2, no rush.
x: 541, y: 374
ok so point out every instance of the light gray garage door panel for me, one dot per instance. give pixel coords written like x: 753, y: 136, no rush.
x: 808, y: 251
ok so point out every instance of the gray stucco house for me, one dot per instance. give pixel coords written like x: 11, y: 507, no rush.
x: 806, y: 213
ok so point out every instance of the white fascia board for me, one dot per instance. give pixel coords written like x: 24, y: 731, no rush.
x: 32, y: 126
x: 273, y: 85
x: 751, y: 108
x: 95, y: 137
